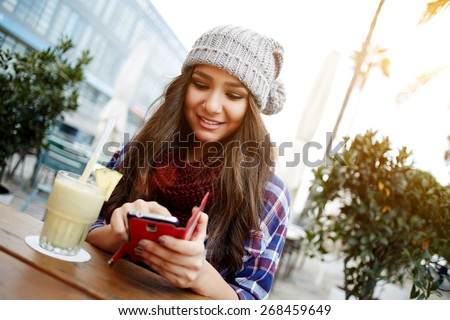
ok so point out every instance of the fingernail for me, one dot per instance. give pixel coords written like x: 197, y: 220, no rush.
x: 137, y: 251
x: 162, y: 240
x: 142, y: 243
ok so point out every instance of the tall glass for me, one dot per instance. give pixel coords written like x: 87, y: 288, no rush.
x: 72, y: 207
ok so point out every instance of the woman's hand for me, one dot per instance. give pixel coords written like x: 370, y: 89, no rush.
x: 111, y: 236
x: 179, y: 261
x: 119, y: 221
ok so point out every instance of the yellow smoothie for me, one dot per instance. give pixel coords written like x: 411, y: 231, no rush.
x: 72, y: 207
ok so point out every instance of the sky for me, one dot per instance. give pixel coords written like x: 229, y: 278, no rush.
x: 310, y: 30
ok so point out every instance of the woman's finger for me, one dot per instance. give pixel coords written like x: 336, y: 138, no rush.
x: 200, y: 230
x: 179, y: 269
x: 176, y: 251
x: 119, y: 220
x: 119, y: 224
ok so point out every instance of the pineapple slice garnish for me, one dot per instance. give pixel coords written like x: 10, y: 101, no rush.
x: 107, y: 179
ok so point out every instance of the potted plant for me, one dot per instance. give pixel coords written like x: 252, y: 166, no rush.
x: 392, y: 220
x: 35, y: 89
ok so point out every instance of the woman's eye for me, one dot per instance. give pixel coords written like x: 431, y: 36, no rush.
x: 234, y: 96
x: 200, y: 85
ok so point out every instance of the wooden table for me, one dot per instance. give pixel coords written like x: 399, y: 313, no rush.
x: 28, y: 274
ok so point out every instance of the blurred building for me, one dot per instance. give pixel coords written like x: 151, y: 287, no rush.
x: 109, y: 29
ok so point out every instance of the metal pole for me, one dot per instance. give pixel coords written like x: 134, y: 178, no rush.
x: 356, y: 74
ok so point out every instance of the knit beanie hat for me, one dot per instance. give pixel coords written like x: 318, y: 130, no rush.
x: 253, y: 58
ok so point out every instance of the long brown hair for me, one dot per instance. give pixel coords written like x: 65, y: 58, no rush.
x: 244, y: 175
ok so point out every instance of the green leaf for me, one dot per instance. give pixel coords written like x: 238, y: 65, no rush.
x: 381, y: 246
x: 35, y: 89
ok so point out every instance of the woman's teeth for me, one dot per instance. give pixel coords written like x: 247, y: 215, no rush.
x: 210, y: 122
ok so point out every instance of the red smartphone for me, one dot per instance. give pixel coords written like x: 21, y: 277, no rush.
x: 151, y: 226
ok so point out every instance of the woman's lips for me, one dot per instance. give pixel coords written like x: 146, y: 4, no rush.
x: 209, y: 124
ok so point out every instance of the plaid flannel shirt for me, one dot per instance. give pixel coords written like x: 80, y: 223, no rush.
x: 263, y: 250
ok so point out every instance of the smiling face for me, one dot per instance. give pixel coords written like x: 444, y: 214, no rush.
x: 215, y: 104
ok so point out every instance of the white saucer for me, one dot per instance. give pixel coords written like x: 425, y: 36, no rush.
x: 82, y: 256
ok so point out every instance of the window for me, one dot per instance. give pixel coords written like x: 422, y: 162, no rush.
x: 14, y: 45
x: 61, y: 17
x: 9, y: 5
x: 124, y: 22
x: 99, y: 7
x: 46, y: 17
x: 29, y: 11
x: 109, y: 11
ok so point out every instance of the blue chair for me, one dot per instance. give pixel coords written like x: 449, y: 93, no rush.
x: 55, y: 158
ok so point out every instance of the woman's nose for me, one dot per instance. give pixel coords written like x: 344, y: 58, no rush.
x: 213, y: 103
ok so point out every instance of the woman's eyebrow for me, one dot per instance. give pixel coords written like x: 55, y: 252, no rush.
x: 202, y: 74
x: 230, y: 83
x: 236, y: 84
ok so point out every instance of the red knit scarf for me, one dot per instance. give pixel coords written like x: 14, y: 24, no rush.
x: 181, y: 185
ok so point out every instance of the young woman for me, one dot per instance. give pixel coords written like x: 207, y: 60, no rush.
x: 207, y: 135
